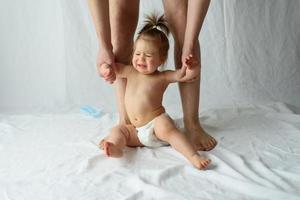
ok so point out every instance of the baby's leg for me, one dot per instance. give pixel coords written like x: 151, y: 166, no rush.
x: 166, y: 130
x: 118, y: 138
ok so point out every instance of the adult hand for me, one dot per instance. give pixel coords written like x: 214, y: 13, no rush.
x: 106, y: 71
x: 187, y: 73
x: 190, y: 59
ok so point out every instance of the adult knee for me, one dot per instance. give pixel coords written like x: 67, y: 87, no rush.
x: 123, y: 51
x: 176, y: 18
x: 123, y: 47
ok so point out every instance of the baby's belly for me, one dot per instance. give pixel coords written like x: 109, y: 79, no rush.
x: 142, y: 118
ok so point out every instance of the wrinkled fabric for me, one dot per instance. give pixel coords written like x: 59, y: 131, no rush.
x: 55, y: 156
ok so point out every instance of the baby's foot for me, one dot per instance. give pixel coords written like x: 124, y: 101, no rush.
x: 200, y: 162
x: 110, y: 149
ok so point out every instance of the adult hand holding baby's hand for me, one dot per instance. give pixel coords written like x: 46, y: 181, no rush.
x: 189, y: 72
x: 105, y: 61
x: 107, y: 72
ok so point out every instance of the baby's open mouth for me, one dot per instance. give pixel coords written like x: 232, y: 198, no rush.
x: 141, y: 65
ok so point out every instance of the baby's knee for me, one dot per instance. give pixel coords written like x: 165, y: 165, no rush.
x: 120, y: 129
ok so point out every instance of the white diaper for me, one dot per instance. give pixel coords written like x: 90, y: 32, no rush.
x: 147, y: 137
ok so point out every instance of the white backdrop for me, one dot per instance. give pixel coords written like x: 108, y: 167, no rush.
x: 250, y: 54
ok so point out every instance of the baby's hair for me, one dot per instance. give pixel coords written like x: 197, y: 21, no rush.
x: 156, y: 29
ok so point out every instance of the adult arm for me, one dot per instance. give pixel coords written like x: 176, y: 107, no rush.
x: 196, y: 13
x: 99, y: 10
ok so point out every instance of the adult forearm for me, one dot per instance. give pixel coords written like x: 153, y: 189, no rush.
x: 99, y: 10
x: 197, y: 10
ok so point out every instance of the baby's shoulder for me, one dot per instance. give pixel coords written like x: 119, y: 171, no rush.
x: 129, y: 69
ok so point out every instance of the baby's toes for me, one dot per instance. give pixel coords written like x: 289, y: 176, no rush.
x: 100, y: 145
x: 205, y: 163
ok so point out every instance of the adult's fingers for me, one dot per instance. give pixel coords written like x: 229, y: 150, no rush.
x: 193, y: 79
x: 111, y: 78
x: 183, y: 71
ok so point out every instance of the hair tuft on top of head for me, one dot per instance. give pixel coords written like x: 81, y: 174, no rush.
x: 154, y: 21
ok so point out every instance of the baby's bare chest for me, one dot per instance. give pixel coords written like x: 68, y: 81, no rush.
x: 144, y: 87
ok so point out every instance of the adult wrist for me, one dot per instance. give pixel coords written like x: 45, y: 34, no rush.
x: 190, y: 45
x: 106, y: 46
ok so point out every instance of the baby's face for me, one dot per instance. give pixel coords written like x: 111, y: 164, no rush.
x: 146, y: 58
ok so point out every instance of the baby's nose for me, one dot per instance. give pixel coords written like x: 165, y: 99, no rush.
x: 142, y: 57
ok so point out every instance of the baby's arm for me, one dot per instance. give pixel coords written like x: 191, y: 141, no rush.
x: 120, y: 70
x: 185, y: 74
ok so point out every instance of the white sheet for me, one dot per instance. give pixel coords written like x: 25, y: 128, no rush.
x: 54, y: 156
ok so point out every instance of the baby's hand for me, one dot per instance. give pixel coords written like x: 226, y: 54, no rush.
x: 188, y: 61
x: 107, y: 72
